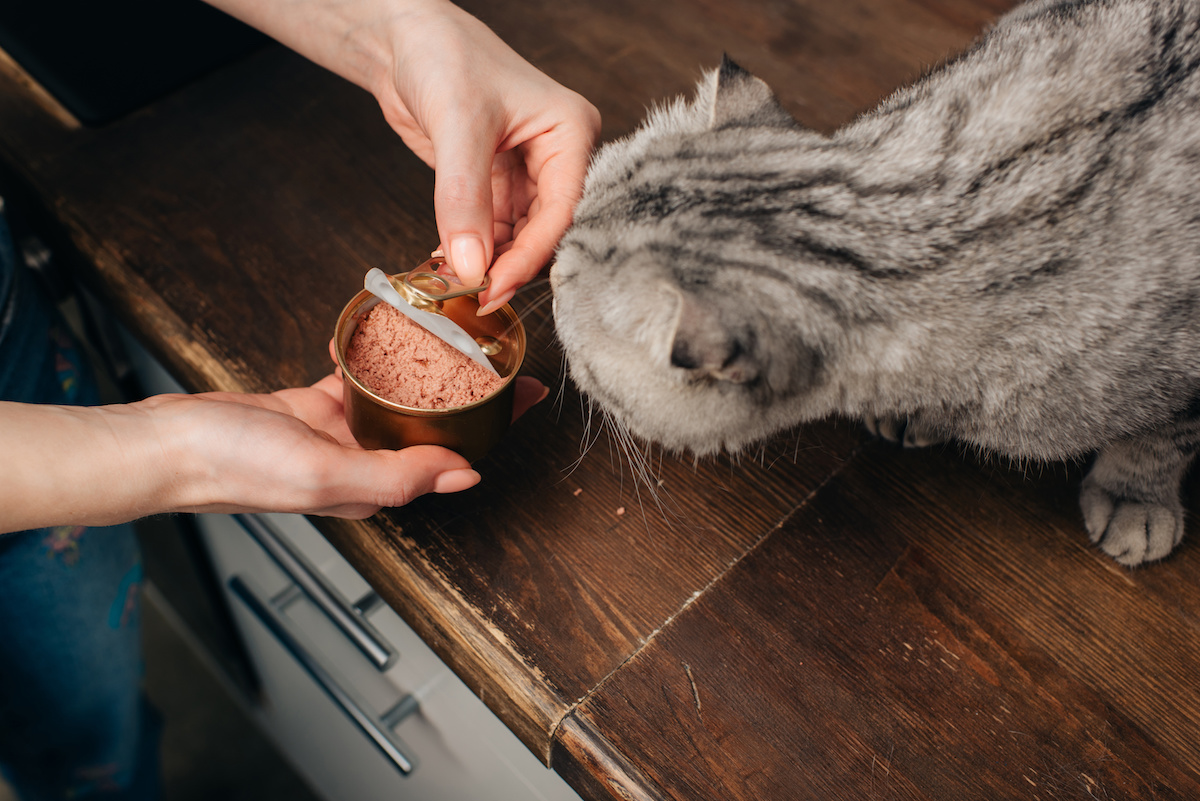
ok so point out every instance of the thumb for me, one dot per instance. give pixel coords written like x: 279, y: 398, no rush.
x: 462, y: 202
x: 395, y: 478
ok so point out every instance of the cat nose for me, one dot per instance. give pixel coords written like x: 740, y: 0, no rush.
x: 723, y: 358
x: 683, y: 356
x: 702, y: 342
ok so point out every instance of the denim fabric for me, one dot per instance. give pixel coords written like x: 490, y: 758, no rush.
x: 73, y: 723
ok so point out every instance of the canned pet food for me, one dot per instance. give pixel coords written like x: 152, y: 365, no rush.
x: 420, y: 398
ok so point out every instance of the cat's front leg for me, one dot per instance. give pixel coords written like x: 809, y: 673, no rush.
x: 1130, y: 498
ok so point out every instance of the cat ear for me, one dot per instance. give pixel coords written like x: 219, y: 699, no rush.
x: 702, y: 344
x: 743, y: 100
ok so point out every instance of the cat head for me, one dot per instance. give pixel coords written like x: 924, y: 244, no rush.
x: 677, y: 295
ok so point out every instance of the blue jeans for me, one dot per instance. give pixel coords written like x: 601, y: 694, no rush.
x: 73, y: 722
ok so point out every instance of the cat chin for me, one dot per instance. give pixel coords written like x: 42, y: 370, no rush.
x: 698, y: 442
x: 701, y: 423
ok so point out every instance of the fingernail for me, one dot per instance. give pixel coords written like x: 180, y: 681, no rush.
x: 468, y: 257
x: 456, y: 480
x: 496, y: 303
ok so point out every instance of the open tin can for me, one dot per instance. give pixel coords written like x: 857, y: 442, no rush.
x: 473, y: 429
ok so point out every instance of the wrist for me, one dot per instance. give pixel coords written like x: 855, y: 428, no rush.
x: 394, y: 43
x: 174, y: 471
x: 147, y: 460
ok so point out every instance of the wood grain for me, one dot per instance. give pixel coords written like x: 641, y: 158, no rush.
x: 960, y: 643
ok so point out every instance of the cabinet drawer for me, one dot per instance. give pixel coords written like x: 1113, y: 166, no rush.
x: 456, y: 748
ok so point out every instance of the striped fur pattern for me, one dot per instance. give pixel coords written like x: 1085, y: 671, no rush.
x: 1006, y: 253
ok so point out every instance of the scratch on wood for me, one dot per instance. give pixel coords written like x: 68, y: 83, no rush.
x: 884, y: 764
x: 695, y: 692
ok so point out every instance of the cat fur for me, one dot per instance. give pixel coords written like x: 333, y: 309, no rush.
x: 1006, y: 253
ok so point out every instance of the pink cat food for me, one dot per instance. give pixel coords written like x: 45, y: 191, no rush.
x: 401, y: 362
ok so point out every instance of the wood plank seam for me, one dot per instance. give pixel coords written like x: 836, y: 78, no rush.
x: 570, y: 710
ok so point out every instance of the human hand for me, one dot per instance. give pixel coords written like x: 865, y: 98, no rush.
x: 292, y: 451
x: 510, y: 147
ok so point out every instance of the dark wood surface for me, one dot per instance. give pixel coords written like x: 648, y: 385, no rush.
x: 826, y: 618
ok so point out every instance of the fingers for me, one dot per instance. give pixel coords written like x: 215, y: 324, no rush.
x: 330, y: 385
x: 558, y: 161
x: 455, y: 480
x: 290, y: 451
x: 462, y: 197
x: 396, y: 478
x: 527, y: 392
x: 363, y: 482
x: 420, y: 469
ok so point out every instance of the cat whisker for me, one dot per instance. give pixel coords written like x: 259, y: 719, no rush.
x: 588, y: 439
x: 631, y: 453
x: 562, y: 387
x: 536, y: 283
x: 641, y: 464
x: 537, y: 303
x: 529, y: 308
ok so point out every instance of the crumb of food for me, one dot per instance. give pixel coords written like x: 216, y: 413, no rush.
x: 620, y: 510
x: 577, y: 492
x: 401, y: 362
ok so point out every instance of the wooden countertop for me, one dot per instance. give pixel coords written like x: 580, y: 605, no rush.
x: 827, y: 618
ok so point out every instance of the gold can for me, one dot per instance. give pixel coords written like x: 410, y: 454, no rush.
x: 471, y: 430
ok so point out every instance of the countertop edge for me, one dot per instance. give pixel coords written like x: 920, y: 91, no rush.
x: 590, y: 763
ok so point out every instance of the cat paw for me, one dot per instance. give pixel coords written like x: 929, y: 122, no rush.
x: 888, y: 428
x: 903, y: 431
x: 1130, y: 531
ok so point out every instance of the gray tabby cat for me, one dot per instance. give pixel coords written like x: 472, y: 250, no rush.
x: 1007, y: 252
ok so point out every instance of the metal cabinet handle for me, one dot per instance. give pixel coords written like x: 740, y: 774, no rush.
x: 378, y: 729
x: 347, y: 617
